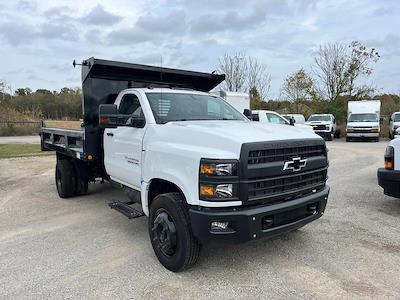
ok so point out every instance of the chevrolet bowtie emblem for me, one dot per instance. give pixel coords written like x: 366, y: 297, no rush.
x: 295, y: 164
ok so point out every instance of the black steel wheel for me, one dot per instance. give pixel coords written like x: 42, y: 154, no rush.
x: 171, y: 234
x: 164, y: 233
x: 65, y: 178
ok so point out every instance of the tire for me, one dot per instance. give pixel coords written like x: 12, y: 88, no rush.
x: 82, y: 178
x: 65, y: 178
x: 330, y: 137
x: 347, y: 139
x: 170, y: 233
x: 337, y: 134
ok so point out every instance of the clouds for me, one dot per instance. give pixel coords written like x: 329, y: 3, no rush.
x: 99, y: 16
x: 189, y: 34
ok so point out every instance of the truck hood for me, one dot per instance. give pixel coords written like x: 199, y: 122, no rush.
x: 220, y: 139
x: 363, y: 124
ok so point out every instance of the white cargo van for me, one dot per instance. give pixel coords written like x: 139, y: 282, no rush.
x: 363, y: 120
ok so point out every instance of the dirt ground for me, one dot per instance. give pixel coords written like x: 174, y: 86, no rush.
x: 79, y: 248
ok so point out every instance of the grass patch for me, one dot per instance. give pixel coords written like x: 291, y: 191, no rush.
x: 21, y: 150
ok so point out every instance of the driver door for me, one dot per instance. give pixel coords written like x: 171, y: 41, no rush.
x: 123, y: 145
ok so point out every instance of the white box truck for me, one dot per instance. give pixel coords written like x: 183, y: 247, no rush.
x: 363, y: 120
x: 240, y: 101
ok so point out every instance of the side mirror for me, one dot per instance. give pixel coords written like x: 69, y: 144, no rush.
x: 381, y: 119
x: 248, y: 114
x: 292, y: 121
x: 108, y: 116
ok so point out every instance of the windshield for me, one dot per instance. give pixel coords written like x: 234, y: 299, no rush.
x: 397, y: 117
x: 363, y: 118
x: 169, y: 107
x: 319, y: 118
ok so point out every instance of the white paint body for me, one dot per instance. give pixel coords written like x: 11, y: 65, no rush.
x: 364, y: 107
x: 240, y: 101
x: 396, y: 146
x: 330, y: 125
x: 172, y: 151
x: 264, y: 117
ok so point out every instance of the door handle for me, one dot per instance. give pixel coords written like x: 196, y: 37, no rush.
x: 110, y: 134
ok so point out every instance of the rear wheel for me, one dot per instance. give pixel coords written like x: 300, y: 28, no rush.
x: 170, y: 232
x: 65, y: 178
x: 82, y: 177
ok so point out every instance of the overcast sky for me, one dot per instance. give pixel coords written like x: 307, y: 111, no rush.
x: 39, y: 39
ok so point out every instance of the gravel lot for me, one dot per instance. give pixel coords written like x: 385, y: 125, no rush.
x: 54, y: 248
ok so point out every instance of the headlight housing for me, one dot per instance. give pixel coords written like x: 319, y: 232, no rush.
x: 375, y: 129
x: 218, y: 180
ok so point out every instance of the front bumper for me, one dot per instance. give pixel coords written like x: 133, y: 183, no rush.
x: 389, y: 180
x: 248, y: 223
x: 362, y: 134
x: 323, y: 133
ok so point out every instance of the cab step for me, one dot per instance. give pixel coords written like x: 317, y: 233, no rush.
x: 125, y: 209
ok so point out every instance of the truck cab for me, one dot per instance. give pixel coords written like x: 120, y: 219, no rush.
x: 196, y: 167
x: 323, y: 125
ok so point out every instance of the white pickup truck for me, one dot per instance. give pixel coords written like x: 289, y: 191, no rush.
x: 200, y: 170
x: 324, y: 125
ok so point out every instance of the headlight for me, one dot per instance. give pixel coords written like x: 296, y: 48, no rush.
x: 218, y: 168
x: 349, y: 129
x: 218, y: 180
x: 375, y: 129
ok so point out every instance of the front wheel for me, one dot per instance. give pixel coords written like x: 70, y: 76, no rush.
x: 170, y: 232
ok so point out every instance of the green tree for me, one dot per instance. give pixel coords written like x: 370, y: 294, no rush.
x: 298, y: 86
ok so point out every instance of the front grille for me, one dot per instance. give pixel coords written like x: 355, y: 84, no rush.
x: 287, y: 186
x: 265, y: 179
x: 283, y: 154
x: 319, y: 127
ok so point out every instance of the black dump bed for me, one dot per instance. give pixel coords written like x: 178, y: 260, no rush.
x: 103, y: 80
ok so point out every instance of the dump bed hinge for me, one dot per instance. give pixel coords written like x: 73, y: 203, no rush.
x: 125, y: 209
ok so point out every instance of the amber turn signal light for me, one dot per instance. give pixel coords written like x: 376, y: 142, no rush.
x: 207, y: 190
x: 389, y: 165
x: 207, y: 169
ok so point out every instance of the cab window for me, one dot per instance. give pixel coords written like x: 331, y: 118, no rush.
x: 275, y: 119
x: 130, y: 105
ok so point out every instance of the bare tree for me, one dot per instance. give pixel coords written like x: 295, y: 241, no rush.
x: 358, y: 65
x: 258, y: 78
x: 338, y: 66
x: 235, y: 69
x: 245, y: 74
x: 298, y: 86
x: 330, y: 68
